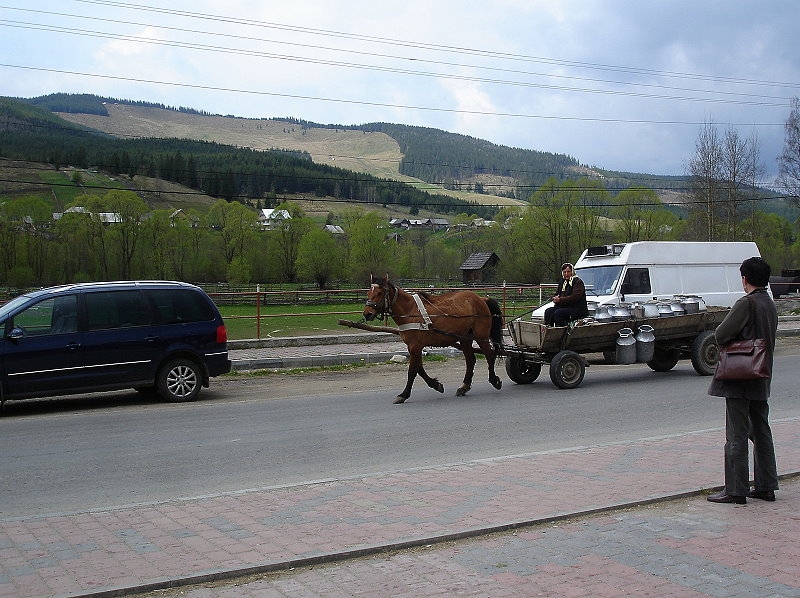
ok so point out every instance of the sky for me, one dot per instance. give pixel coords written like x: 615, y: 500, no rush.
x: 620, y: 85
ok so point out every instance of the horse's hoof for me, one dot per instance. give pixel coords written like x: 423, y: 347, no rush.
x: 462, y: 391
x: 497, y: 383
x: 399, y: 400
x: 439, y: 387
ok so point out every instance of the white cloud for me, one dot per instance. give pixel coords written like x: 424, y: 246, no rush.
x: 605, y: 64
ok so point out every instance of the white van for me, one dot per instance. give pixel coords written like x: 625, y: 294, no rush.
x: 647, y: 270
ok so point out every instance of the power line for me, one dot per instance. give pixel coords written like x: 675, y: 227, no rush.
x: 458, y: 50
x: 196, y: 46
x: 367, y: 103
x: 400, y: 71
x: 436, y: 188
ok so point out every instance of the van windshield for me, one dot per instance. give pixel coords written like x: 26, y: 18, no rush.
x: 11, y: 306
x: 600, y: 280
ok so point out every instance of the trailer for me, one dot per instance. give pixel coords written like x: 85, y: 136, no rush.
x: 564, y: 347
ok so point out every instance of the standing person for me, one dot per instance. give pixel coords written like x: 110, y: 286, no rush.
x: 746, y: 408
x: 570, y: 299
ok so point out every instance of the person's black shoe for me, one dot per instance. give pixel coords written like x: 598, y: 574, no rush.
x: 768, y: 495
x: 722, y: 497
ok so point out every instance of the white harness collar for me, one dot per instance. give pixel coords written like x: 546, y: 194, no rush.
x: 425, y: 324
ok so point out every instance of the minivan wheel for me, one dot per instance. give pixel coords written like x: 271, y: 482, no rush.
x: 179, y: 380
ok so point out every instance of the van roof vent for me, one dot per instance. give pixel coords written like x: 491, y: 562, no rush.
x: 605, y: 250
x: 598, y: 251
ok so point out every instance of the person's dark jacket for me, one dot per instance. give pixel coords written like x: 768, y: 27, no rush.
x: 573, y: 295
x: 739, y: 324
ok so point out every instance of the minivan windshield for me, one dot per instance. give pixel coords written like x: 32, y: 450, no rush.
x: 11, y: 306
x: 600, y: 280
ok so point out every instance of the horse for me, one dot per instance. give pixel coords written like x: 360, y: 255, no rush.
x: 451, y: 319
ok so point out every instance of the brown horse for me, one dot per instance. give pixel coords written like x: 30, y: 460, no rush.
x: 451, y: 319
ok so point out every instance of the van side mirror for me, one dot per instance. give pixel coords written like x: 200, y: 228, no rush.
x: 17, y: 333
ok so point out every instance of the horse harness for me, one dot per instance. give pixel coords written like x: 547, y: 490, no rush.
x: 385, y: 310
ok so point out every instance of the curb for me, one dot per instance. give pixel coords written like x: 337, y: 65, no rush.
x: 365, y: 551
x: 313, y: 361
x: 340, y: 359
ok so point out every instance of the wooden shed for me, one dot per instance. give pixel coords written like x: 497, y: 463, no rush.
x: 479, y: 267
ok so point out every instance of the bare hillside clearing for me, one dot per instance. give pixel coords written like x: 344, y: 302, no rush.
x: 371, y: 153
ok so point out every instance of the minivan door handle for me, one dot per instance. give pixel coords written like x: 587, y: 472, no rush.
x: 73, y: 346
x: 151, y: 338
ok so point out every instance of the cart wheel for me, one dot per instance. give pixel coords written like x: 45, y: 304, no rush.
x: 705, y: 353
x: 664, y: 359
x: 521, y: 371
x: 567, y: 369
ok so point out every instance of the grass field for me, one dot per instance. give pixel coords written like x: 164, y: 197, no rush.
x: 305, y: 320
x: 288, y: 320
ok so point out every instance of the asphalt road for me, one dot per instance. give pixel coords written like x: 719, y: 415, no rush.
x: 74, y: 454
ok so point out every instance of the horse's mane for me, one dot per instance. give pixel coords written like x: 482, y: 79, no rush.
x: 388, y: 284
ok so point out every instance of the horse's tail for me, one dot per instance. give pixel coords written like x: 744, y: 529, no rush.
x: 496, y: 332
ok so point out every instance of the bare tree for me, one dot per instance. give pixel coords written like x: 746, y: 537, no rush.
x: 756, y: 172
x: 789, y: 161
x: 705, y: 170
x: 723, y: 172
x: 740, y: 170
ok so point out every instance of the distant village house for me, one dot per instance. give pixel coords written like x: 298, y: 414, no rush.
x: 270, y: 219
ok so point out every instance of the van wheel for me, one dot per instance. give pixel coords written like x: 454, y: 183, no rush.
x: 179, y: 381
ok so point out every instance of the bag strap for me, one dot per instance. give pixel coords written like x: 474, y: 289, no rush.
x: 752, y: 321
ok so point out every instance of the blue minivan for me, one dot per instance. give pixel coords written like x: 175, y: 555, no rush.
x: 161, y: 336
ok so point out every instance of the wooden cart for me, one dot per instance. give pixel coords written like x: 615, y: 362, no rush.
x: 676, y: 337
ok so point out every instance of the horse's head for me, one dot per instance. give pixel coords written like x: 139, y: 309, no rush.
x: 378, y: 299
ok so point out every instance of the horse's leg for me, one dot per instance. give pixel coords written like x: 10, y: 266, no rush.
x: 414, y: 366
x: 488, y: 351
x: 432, y: 382
x: 469, y: 357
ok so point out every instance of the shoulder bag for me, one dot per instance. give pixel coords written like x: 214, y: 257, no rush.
x: 746, y: 359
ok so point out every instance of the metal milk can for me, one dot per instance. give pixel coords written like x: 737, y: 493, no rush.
x: 626, y: 347
x: 664, y: 310
x: 677, y: 307
x: 601, y: 314
x: 691, y: 304
x: 645, y: 343
x: 651, y: 309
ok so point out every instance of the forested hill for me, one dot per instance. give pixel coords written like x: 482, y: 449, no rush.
x: 454, y: 161
x: 431, y: 155
x: 466, y: 166
x: 434, y: 155
x: 29, y: 132
x: 85, y: 103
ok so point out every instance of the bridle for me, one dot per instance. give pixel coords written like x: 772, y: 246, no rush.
x: 384, y: 309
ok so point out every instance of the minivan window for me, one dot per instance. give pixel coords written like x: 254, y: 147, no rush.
x: 181, y: 305
x: 116, y: 309
x: 56, y: 315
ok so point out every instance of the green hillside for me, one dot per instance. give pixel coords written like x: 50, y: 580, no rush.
x: 437, y: 161
x: 31, y: 133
